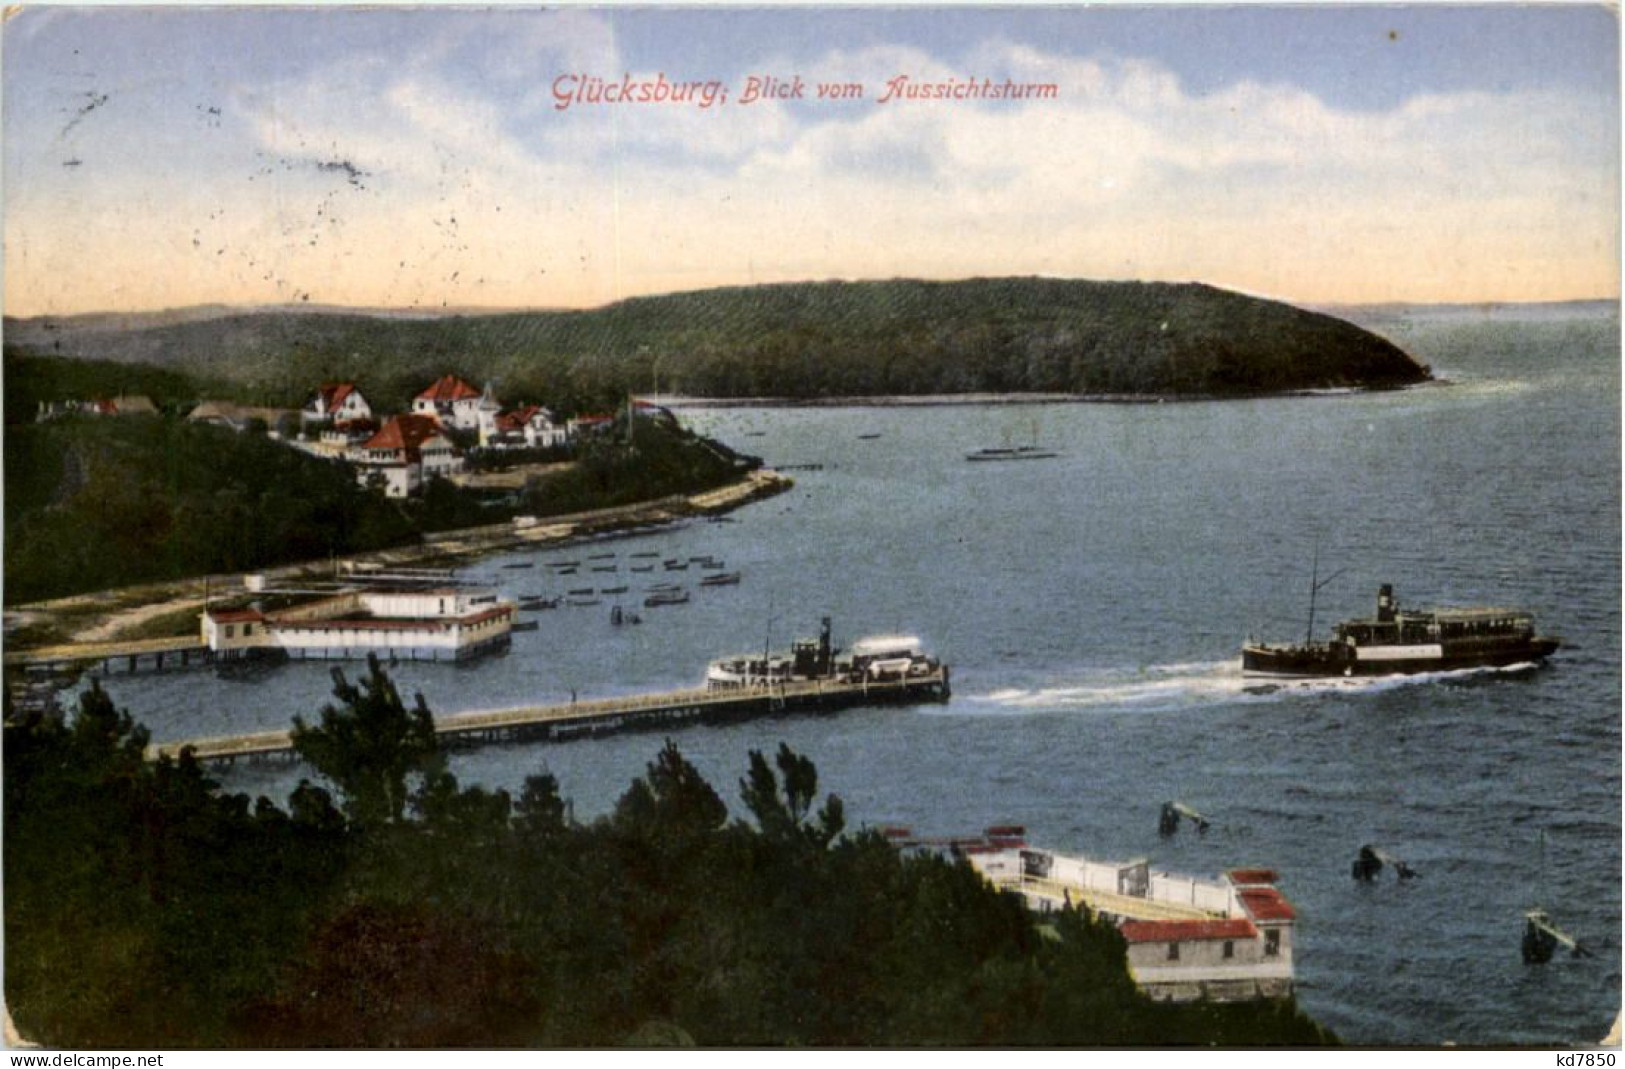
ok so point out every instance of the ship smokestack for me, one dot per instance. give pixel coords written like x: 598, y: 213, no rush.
x: 826, y: 658
x: 1385, y: 604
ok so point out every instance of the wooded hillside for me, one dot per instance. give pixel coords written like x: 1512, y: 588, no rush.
x: 800, y: 340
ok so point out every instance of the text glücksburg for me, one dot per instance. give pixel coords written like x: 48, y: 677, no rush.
x: 572, y: 90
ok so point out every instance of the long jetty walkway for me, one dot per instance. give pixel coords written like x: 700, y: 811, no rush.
x: 606, y: 716
x: 180, y: 651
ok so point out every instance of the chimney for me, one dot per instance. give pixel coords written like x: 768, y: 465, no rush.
x: 1385, y: 604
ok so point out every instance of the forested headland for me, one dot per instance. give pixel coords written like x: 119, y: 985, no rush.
x: 388, y: 905
x: 797, y: 340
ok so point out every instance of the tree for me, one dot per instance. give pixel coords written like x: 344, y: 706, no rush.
x: 784, y: 817
x: 672, y: 803
x: 370, y: 745
x: 540, y: 812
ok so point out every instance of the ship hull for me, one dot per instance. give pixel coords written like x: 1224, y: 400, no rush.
x: 1298, y: 662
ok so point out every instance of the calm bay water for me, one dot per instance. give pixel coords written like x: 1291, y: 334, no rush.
x: 1093, y: 607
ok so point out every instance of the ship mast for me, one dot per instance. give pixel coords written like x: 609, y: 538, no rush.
x: 1315, y: 583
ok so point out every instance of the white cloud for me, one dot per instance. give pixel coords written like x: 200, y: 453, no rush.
x: 491, y: 195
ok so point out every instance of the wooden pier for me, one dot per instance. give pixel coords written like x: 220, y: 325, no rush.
x: 607, y: 716
x: 135, y: 655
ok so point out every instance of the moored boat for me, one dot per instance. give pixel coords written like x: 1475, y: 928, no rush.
x: 1400, y: 642
x: 1020, y: 452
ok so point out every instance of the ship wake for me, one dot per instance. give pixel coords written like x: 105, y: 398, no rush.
x: 1156, y: 688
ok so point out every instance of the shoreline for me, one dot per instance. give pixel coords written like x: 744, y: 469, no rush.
x: 130, y: 607
x: 950, y: 400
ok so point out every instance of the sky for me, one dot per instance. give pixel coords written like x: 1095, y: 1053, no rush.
x: 432, y: 158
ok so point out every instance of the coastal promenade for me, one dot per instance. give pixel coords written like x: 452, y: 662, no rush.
x: 604, y: 716
x: 187, y: 649
x: 100, y: 620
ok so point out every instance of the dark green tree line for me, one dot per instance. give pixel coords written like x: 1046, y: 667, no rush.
x: 147, y: 907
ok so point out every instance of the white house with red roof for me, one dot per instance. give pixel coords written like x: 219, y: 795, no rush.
x: 337, y: 402
x: 528, y: 427
x: 452, y: 401
x: 1226, y: 939
x: 405, y: 453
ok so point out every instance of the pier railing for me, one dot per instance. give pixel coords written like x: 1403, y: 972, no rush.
x: 602, y: 715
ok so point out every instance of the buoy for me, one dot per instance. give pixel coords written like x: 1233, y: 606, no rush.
x: 1168, y: 821
x: 1541, y: 938
x: 1368, y: 866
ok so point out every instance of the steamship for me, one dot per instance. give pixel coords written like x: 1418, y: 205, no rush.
x: 1398, y: 642
x: 876, y: 658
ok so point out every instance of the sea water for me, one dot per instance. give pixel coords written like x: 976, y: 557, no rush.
x: 1093, y: 607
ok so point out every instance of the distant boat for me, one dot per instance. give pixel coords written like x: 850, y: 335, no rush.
x: 721, y: 579
x: 521, y: 564
x: 668, y: 597
x: 1031, y: 451
x: 1018, y: 452
x: 869, y: 437
x: 613, y: 590
x: 643, y: 567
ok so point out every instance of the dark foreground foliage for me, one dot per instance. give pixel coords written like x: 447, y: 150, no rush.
x: 145, y: 908
x: 97, y: 502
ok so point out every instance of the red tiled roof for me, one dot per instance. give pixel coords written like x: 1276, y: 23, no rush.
x: 404, y: 432
x: 488, y: 614
x: 334, y: 393
x: 234, y: 616
x: 1266, y: 904
x: 519, y: 417
x: 1188, y: 931
x: 1243, y: 877
x: 449, y: 388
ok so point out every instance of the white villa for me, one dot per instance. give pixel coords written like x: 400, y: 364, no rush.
x: 407, y: 452
x: 452, y: 401
x: 526, y: 427
x: 337, y: 402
